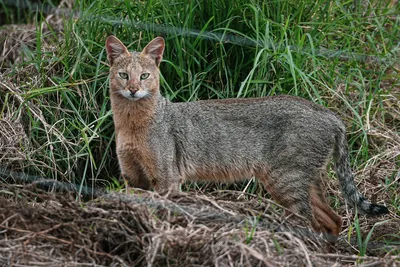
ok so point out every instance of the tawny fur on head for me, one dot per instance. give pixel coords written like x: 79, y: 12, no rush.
x: 135, y: 75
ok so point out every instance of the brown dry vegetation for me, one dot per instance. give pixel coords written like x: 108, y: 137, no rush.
x: 226, y: 228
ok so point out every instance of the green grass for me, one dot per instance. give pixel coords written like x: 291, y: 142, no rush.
x: 336, y: 53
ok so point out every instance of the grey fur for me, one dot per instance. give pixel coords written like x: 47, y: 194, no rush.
x: 283, y: 134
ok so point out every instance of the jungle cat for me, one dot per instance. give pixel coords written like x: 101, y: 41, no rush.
x: 285, y: 142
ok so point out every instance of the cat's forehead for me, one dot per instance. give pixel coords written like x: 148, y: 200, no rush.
x: 136, y: 58
x: 135, y: 61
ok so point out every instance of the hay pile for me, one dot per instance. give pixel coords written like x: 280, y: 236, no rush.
x: 149, y: 229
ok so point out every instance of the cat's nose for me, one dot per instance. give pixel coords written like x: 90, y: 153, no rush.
x: 133, y: 91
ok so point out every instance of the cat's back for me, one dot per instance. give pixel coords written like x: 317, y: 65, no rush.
x: 254, y: 118
x: 263, y: 107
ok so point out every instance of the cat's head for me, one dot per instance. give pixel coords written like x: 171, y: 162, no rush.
x: 134, y: 75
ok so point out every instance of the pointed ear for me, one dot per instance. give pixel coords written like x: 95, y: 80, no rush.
x: 115, y: 48
x: 155, y: 49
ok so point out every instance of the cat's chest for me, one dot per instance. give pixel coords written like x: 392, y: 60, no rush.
x: 131, y: 138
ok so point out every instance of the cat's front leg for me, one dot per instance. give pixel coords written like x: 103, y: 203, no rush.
x: 131, y: 171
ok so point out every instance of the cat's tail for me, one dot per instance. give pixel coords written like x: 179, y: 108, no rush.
x: 346, y: 179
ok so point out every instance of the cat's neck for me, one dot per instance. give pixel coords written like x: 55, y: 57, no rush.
x: 134, y: 114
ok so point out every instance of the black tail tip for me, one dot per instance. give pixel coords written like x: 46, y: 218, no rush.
x: 375, y: 209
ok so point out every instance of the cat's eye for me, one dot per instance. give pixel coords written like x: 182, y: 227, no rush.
x: 144, y: 76
x: 123, y: 75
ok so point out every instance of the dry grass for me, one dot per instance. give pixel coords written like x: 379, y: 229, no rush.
x: 13, y: 139
x: 150, y: 229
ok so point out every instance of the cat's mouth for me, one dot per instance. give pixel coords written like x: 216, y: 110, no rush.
x: 134, y: 95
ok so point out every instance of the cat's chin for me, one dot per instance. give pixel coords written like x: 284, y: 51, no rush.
x: 136, y: 97
x: 133, y: 98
